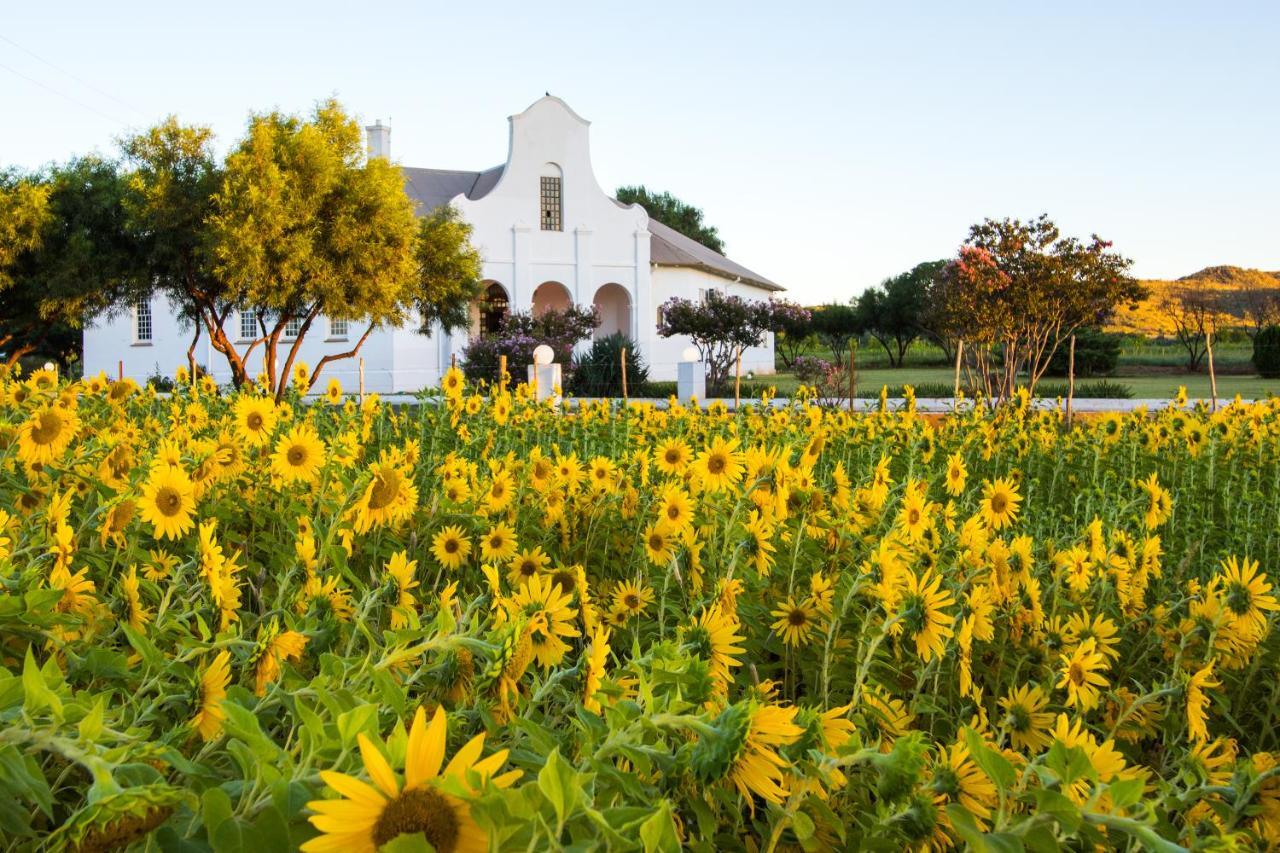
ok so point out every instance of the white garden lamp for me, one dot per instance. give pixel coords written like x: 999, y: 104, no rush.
x: 544, y: 374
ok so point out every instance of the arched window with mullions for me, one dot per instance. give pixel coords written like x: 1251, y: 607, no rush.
x: 552, y: 196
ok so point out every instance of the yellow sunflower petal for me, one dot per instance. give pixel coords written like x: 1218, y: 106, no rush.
x: 379, y: 770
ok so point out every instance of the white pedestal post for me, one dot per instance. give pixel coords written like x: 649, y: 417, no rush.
x: 691, y: 381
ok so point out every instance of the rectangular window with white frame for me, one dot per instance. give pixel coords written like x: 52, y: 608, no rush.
x: 142, y: 326
x: 293, y: 328
x: 337, y: 328
x: 249, y: 324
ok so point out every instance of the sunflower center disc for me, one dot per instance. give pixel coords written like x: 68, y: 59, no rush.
x: 419, y: 810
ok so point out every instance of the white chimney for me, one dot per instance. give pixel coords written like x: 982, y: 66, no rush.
x: 379, y: 136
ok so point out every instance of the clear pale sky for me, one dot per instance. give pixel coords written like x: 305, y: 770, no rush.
x: 833, y: 145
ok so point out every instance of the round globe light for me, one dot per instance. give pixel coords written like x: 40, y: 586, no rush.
x: 690, y: 354
x: 543, y: 355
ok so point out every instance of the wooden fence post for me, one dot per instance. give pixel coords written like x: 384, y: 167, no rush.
x: 1071, y: 379
x: 1213, y: 377
x: 737, y: 381
x: 453, y: 359
x: 502, y: 373
x: 624, y: 374
x: 120, y: 370
x: 853, y: 373
x: 955, y: 394
x: 362, y: 380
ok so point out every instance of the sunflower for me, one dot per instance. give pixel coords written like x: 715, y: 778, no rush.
x: 451, y: 547
x: 597, y: 655
x: 742, y: 748
x: 168, y: 502
x: 1198, y: 702
x: 370, y: 816
x: 546, y: 606
x: 720, y: 465
x: 956, y: 778
x: 1247, y: 595
x: 211, y: 693
x: 526, y: 564
x: 275, y: 647
x: 957, y: 475
x: 1082, y: 675
x: 500, y: 492
x: 921, y: 614
x: 499, y: 544
x: 602, y: 474
x: 714, y: 637
x: 675, y: 509
x: 299, y: 455
x: 659, y: 543
x: 1159, y: 502
x: 913, y: 516
x: 255, y: 419
x: 45, y: 436
x: 672, y: 456
x: 453, y: 383
x: 401, y: 569
x: 1026, y: 720
x: 631, y: 599
x: 389, y: 499
x: 999, y: 506
x: 136, y: 615
x: 795, y: 621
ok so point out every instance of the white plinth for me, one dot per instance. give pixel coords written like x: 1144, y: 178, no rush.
x: 545, y: 379
x: 691, y: 381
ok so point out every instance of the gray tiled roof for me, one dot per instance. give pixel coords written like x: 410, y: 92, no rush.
x: 432, y: 188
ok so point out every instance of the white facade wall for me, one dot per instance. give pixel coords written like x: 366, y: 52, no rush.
x: 601, y: 244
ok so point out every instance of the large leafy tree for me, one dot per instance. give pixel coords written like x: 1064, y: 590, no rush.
x: 893, y: 313
x: 720, y: 327
x: 173, y: 176
x: 673, y: 213
x: 65, y: 255
x: 305, y: 225
x: 836, y: 325
x: 792, y: 326
x: 1018, y: 290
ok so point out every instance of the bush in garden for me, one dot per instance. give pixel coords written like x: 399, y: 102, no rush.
x: 598, y: 371
x: 1097, y: 354
x: 520, y: 334
x: 1266, y: 352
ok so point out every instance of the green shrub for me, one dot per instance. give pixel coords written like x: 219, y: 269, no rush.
x: 1266, y: 352
x: 1097, y: 354
x: 598, y: 371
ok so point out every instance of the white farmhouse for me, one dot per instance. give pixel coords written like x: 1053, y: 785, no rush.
x: 548, y: 234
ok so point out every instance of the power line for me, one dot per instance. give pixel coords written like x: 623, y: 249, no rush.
x: 75, y: 77
x: 75, y: 101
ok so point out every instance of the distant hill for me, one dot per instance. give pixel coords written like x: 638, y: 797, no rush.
x: 1238, y: 296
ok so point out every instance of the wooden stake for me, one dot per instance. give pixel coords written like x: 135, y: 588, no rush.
x: 120, y: 370
x: 1213, y: 377
x: 624, y: 374
x: 737, y: 382
x: 955, y: 394
x: 1071, y: 379
x: 362, y: 380
x: 502, y: 373
x: 453, y: 359
x: 853, y: 373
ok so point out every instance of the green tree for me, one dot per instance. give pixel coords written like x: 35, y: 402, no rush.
x: 720, y: 327
x: 170, y: 186
x: 893, y: 313
x: 673, y: 213
x: 836, y: 325
x: 1017, y: 290
x: 68, y: 256
x: 305, y: 225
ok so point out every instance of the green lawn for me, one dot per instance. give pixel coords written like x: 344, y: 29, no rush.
x: 1144, y: 387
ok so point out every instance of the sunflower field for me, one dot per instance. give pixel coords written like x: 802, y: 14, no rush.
x: 482, y: 622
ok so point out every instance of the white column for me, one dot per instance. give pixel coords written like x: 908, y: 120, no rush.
x: 522, y: 269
